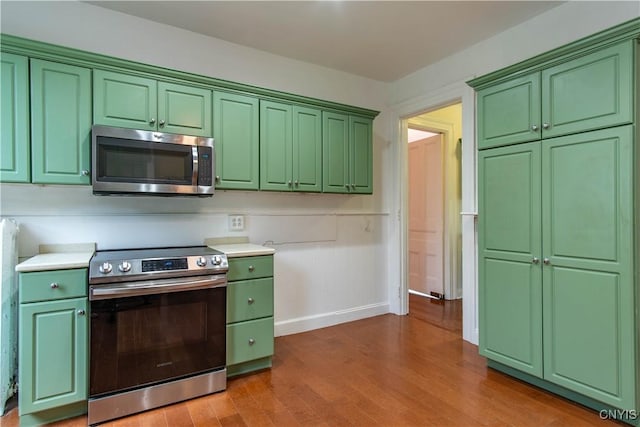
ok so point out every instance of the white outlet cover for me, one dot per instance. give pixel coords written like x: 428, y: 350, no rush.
x: 236, y: 222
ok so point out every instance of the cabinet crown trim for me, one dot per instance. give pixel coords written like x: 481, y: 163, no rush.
x: 52, y: 52
x: 625, y: 31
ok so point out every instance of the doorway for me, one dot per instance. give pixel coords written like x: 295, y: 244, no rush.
x: 434, y: 225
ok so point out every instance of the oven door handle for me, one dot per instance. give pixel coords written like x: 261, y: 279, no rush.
x: 162, y: 286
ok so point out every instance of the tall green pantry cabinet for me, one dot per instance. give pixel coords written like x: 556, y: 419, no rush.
x: 559, y: 221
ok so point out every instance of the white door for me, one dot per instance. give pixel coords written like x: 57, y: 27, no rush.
x: 426, y: 216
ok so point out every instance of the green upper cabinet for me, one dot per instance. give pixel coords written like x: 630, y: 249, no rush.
x: 290, y: 147
x: 361, y: 155
x: 60, y: 123
x: 184, y: 109
x: 335, y: 147
x: 129, y: 101
x: 15, y: 152
x: 236, y: 133
x: 307, y: 149
x: 588, y: 286
x: 590, y: 92
x: 348, y: 154
x: 509, y: 112
x: 509, y: 227
x: 276, y: 149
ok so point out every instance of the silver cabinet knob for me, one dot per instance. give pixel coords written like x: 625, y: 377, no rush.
x: 152, y: 121
x: 161, y: 122
x: 252, y: 341
x: 250, y: 301
x: 85, y: 173
x: 217, y: 178
x: 81, y: 312
x: 251, y: 268
x: 346, y: 186
x: 353, y: 186
x: 546, y: 126
x: 289, y: 183
x: 546, y: 261
x: 535, y: 260
x: 295, y: 183
x: 54, y: 285
x: 534, y: 128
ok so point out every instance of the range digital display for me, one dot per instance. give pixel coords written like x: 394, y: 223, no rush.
x: 166, y: 264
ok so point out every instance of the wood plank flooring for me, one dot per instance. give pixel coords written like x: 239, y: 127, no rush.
x: 386, y: 371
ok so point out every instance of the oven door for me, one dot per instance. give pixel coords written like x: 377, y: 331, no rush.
x: 150, y: 332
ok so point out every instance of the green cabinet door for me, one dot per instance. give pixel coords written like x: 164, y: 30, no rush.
x: 15, y: 152
x: 53, y: 354
x: 360, y: 155
x: 60, y: 123
x: 590, y: 92
x: 335, y: 148
x: 276, y: 150
x: 125, y: 101
x: 307, y: 149
x: 509, y: 112
x: 588, y: 285
x: 236, y: 133
x: 510, y: 288
x: 184, y: 109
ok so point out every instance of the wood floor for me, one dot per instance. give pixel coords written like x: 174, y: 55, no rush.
x: 387, y: 371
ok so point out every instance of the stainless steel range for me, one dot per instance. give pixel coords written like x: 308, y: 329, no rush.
x: 158, y: 328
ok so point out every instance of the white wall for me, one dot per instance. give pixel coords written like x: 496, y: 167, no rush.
x: 326, y: 244
x: 444, y: 82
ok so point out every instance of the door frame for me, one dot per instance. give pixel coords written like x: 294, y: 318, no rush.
x: 449, y: 245
x: 456, y: 92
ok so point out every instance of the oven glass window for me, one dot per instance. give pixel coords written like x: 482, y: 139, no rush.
x: 143, y: 340
x: 121, y: 160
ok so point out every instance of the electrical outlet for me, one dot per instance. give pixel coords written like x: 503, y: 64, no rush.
x: 236, y: 222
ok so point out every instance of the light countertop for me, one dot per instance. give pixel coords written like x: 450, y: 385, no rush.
x: 235, y: 250
x: 55, y: 261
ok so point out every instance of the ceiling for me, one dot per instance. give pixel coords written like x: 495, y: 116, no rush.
x: 381, y: 40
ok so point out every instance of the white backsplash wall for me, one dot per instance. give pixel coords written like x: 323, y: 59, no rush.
x: 330, y: 249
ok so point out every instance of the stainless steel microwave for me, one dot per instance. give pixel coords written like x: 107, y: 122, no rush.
x: 139, y: 162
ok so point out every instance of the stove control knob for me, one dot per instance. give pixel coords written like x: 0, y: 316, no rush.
x: 216, y: 260
x: 202, y: 261
x: 124, y: 266
x: 105, y: 268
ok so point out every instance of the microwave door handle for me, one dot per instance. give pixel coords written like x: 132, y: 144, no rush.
x: 194, y: 174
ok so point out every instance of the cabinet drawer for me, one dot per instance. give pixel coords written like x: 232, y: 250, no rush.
x: 250, y: 267
x: 249, y: 340
x: 249, y: 299
x: 52, y: 285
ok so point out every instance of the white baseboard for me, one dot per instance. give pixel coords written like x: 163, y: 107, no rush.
x: 309, y: 323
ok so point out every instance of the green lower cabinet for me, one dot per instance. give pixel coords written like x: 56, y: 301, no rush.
x: 556, y: 284
x: 52, y: 345
x: 249, y: 340
x: 250, y: 333
x: 60, y: 123
x: 509, y: 228
x: 588, y: 284
x: 15, y: 152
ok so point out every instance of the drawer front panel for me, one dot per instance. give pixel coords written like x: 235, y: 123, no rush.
x: 249, y: 299
x: 249, y: 340
x: 250, y: 267
x: 52, y: 285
